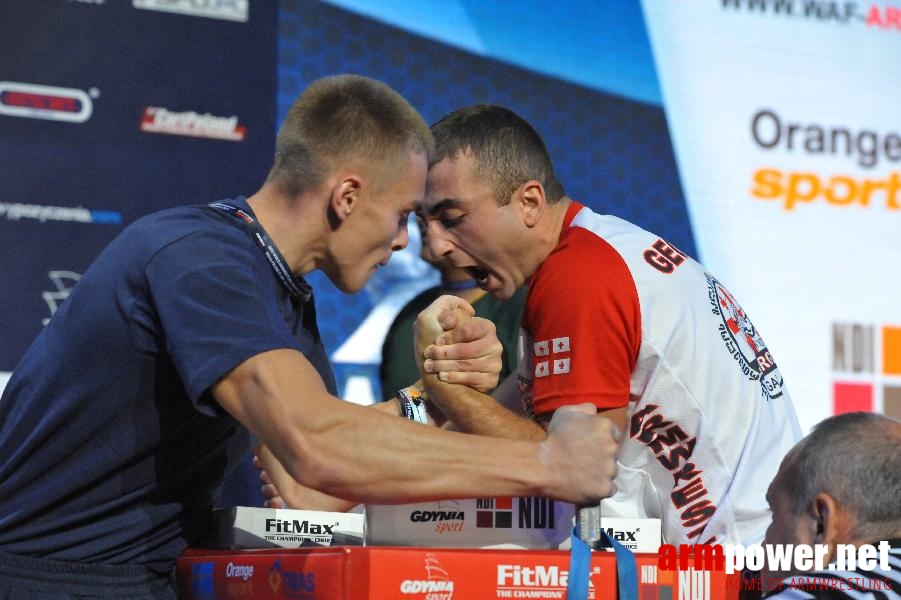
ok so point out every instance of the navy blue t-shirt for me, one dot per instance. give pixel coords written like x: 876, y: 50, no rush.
x: 111, y: 445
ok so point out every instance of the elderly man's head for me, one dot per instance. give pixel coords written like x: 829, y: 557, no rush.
x: 839, y: 485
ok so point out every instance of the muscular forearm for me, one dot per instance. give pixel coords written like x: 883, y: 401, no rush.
x: 471, y: 411
x: 281, y: 488
x: 390, y: 460
x: 363, y: 455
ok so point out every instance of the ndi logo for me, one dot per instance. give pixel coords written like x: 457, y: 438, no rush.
x: 534, y: 513
x: 494, y: 513
x: 866, y: 368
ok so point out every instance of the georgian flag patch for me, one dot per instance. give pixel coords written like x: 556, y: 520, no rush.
x: 551, y: 350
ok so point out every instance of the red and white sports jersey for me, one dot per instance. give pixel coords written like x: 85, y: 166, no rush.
x: 616, y: 316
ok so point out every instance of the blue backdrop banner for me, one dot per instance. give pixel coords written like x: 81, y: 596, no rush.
x: 112, y: 110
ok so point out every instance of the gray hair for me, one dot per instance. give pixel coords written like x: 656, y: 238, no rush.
x: 855, y: 458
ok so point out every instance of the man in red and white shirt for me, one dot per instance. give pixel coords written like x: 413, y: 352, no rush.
x: 617, y: 317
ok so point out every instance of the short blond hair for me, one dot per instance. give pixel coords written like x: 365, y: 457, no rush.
x: 345, y: 117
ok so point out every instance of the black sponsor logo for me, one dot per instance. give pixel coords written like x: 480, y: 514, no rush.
x: 427, y: 516
x: 298, y: 527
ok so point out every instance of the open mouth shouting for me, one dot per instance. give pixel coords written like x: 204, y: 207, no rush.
x: 479, y: 274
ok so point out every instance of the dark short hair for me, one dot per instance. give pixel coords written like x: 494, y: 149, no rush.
x: 340, y: 117
x: 506, y: 148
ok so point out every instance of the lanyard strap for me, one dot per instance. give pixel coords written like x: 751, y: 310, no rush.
x: 580, y: 568
x: 296, y: 286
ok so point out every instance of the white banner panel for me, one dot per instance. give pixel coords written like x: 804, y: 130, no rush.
x: 785, y: 120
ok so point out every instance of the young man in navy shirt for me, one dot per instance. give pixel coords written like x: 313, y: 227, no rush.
x: 194, y: 333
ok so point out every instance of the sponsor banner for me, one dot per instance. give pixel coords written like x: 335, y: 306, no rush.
x: 214, y: 575
x: 76, y: 166
x: 791, y: 166
x: 427, y: 574
x: 245, y: 527
x: 228, y: 10
x: 529, y: 522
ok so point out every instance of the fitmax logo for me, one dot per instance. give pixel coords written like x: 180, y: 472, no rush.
x: 299, y: 527
x: 622, y: 536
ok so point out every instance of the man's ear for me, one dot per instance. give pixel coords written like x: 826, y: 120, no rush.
x: 344, y: 198
x: 821, y: 511
x: 531, y: 198
x: 834, y: 524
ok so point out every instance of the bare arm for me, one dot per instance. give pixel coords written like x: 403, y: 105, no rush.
x: 353, y: 452
x: 303, y: 497
x: 472, y: 411
x: 479, y: 346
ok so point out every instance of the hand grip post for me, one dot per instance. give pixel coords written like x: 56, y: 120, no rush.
x: 588, y: 525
